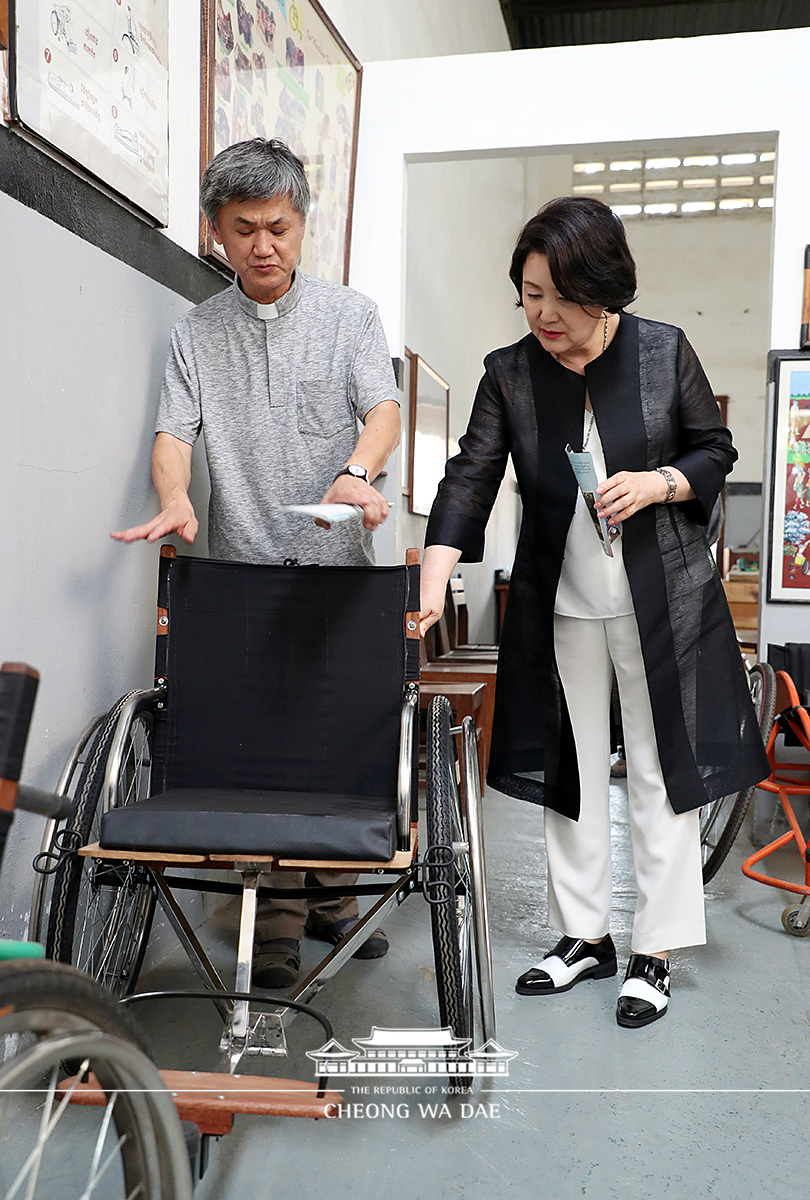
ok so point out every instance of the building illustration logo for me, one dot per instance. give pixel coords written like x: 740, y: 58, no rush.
x: 405, y: 1053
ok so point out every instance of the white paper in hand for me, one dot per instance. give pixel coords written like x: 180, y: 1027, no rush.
x: 333, y: 513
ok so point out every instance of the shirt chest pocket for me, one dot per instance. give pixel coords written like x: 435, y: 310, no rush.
x: 323, y: 407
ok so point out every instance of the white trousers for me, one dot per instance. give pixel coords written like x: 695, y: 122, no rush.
x: 666, y: 845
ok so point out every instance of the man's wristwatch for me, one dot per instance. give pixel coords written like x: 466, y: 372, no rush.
x: 672, y: 484
x: 356, y: 471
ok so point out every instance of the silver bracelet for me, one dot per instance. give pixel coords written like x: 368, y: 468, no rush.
x: 672, y: 485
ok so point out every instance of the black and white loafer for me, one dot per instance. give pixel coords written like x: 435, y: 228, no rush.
x: 571, y: 961
x: 645, y: 991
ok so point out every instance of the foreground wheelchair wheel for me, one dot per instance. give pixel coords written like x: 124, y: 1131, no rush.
x: 101, y: 912
x: 720, y: 821
x: 54, y: 1022
x: 448, y: 883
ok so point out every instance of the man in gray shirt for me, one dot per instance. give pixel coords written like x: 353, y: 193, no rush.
x: 276, y: 371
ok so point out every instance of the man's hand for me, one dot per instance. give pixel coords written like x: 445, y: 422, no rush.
x: 177, y: 517
x: 347, y: 490
x: 171, y: 473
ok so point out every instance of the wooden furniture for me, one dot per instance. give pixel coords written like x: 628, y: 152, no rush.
x: 743, y: 601
x: 448, y: 673
x: 467, y: 699
x: 501, y: 596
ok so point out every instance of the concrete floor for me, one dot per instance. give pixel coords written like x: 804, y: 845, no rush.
x: 712, y: 1101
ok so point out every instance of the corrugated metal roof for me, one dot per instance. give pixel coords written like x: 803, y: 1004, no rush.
x: 536, y: 23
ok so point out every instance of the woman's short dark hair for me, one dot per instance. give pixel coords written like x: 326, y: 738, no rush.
x: 586, y: 247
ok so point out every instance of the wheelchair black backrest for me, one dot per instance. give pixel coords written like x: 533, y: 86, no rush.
x: 282, y: 678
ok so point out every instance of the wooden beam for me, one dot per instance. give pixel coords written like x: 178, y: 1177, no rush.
x: 4, y: 25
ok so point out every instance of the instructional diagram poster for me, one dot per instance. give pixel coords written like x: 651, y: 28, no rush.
x: 280, y: 70
x: 92, y: 80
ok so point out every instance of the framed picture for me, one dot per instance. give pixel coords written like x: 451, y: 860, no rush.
x: 428, y: 435
x: 279, y: 68
x: 91, y: 79
x: 789, y: 557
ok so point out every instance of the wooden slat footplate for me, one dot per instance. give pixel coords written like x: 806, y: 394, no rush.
x: 212, y: 1100
x: 160, y: 858
x: 400, y: 862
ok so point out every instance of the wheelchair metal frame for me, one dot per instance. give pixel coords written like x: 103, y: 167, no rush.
x: 248, y: 1033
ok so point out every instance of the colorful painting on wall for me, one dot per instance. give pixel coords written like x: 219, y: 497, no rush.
x: 279, y: 68
x: 789, y: 575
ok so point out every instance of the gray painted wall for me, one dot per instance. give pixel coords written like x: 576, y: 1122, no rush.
x: 82, y: 347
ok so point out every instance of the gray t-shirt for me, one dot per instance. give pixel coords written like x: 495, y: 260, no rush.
x: 277, y: 390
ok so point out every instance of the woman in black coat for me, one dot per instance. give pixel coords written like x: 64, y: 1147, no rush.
x: 641, y: 597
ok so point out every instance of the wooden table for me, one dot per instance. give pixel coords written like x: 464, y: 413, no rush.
x: 466, y: 700
x: 448, y: 674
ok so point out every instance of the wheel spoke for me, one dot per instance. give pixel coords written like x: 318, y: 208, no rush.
x: 50, y: 1119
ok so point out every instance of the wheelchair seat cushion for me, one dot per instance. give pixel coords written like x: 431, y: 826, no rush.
x: 311, y: 825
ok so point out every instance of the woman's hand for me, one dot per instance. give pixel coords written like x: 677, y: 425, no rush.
x: 627, y: 492
x: 438, y: 566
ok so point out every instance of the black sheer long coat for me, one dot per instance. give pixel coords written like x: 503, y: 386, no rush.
x: 653, y: 407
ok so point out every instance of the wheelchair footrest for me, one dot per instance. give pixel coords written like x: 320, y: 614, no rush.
x: 211, y: 1100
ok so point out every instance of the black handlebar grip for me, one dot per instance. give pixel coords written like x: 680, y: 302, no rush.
x: 18, y: 690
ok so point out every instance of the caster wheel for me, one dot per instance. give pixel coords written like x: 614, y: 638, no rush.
x: 790, y: 925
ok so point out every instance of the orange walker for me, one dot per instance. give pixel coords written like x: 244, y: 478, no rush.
x: 785, y: 780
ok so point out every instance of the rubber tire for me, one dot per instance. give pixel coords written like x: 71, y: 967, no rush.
x: 48, y: 997
x: 789, y: 927
x: 127, y: 930
x: 40, y: 1001
x: 455, y: 997
x: 762, y: 682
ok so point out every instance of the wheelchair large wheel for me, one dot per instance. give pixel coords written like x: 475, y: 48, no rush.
x: 49, y: 848
x: 101, y: 912
x: 720, y: 821
x: 38, y: 999
x: 447, y: 877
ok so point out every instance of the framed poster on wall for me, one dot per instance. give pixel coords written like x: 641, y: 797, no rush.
x: 428, y: 434
x: 279, y: 68
x: 91, y: 79
x: 789, y: 550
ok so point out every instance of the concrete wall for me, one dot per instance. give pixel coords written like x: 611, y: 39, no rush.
x: 711, y: 276
x: 378, y: 31
x: 83, y: 343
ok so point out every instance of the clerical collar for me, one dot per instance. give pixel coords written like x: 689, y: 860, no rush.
x: 270, y: 312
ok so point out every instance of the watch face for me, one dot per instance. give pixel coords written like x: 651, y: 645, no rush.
x: 358, y: 472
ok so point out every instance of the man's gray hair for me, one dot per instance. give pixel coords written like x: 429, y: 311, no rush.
x: 256, y: 170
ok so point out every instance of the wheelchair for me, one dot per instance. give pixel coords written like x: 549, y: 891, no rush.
x: 281, y: 731
x: 788, y: 778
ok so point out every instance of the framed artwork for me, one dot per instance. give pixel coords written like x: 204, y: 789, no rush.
x: 428, y: 434
x: 91, y: 79
x: 279, y: 68
x: 789, y: 557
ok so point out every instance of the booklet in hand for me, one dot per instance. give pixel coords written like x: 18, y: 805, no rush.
x: 582, y: 466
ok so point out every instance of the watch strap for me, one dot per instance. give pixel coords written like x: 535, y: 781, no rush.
x: 355, y: 471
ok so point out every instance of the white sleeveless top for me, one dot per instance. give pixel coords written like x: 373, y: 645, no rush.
x: 592, y: 585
